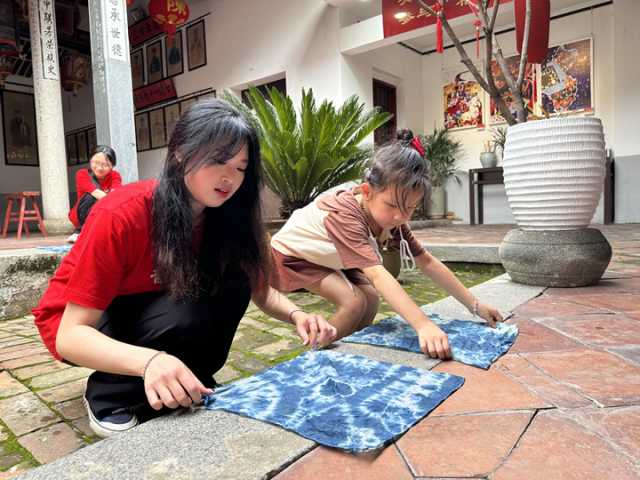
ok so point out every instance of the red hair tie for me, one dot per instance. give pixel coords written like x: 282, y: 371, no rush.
x: 415, y: 143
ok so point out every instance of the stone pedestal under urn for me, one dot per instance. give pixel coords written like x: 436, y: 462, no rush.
x: 553, y: 174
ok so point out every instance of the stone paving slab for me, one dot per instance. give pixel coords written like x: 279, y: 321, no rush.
x: 463, y: 445
x: 195, y: 444
x: 555, y: 446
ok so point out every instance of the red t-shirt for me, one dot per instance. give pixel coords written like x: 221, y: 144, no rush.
x: 112, y: 257
x: 85, y: 184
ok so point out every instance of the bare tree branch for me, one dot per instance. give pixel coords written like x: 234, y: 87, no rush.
x: 494, y: 15
x: 492, y: 49
x: 525, y: 45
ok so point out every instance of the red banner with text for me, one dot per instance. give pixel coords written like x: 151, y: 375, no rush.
x: 154, y: 93
x: 399, y: 16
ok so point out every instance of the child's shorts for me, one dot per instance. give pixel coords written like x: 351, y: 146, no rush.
x: 289, y: 274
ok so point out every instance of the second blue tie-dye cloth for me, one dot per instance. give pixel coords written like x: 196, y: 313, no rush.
x: 338, y: 400
x: 470, y: 342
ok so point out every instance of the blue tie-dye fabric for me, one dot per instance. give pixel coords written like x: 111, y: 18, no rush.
x: 56, y: 248
x: 338, y: 400
x: 472, y: 343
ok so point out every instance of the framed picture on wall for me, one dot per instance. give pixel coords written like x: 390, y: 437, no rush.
x: 155, y: 64
x: 142, y: 132
x: 171, y: 117
x: 566, y: 78
x: 92, y: 141
x: 174, y: 55
x: 137, y: 68
x: 72, y: 150
x: 158, y: 132
x: 462, y: 101
x: 187, y: 104
x: 81, y: 142
x: 20, y: 134
x: 196, y: 45
x: 207, y: 96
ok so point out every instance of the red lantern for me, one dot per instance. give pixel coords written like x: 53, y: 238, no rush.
x: 539, y: 30
x: 169, y: 13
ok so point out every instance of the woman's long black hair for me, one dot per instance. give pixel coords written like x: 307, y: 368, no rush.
x: 210, y: 132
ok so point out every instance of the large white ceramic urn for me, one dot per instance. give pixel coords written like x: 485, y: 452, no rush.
x: 554, y: 172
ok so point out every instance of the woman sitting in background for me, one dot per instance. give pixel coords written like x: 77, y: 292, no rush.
x: 93, y: 184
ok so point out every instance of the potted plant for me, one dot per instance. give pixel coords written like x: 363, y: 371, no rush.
x: 553, y: 168
x: 308, y: 152
x: 441, y: 151
x: 488, y: 157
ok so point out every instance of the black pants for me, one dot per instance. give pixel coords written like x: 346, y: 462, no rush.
x: 86, y: 203
x: 198, y: 333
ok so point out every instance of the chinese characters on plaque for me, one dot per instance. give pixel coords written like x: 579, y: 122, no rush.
x: 48, y: 40
x: 115, y: 22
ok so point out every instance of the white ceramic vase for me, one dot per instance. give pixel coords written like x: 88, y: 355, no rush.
x: 554, y: 171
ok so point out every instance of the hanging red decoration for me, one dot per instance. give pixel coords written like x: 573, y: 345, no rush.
x: 439, y: 43
x: 170, y: 14
x: 539, y: 30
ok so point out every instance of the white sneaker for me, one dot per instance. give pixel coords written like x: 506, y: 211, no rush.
x: 73, y: 237
x: 120, y: 420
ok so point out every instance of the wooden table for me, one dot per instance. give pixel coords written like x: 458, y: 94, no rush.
x: 481, y: 177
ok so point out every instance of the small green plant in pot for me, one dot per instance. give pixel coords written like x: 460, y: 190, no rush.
x: 441, y: 151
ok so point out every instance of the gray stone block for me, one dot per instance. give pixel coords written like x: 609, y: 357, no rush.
x: 550, y: 258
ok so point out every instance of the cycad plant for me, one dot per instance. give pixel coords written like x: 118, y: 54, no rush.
x: 306, y: 153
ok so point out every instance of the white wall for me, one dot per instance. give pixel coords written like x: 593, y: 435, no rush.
x: 615, y: 41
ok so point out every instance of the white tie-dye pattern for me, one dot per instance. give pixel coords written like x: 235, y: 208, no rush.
x: 472, y: 343
x: 339, y: 400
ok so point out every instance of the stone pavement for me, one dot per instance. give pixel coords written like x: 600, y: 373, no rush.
x: 41, y: 413
x: 568, y: 392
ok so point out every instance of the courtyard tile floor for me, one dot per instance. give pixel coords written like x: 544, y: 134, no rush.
x: 564, y: 403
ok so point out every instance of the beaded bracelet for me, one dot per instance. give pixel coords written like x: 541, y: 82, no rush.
x: 144, y: 371
x: 292, y: 312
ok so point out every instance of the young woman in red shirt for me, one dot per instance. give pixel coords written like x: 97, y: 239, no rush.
x: 93, y: 184
x: 151, y: 294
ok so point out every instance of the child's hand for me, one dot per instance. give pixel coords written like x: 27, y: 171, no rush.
x: 490, y: 314
x: 313, y: 329
x: 434, y: 342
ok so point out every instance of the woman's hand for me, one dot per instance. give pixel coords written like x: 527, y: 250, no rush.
x: 169, y: 382
x: 490, y: 314
x: 313, y: 329
x: 433, y: 341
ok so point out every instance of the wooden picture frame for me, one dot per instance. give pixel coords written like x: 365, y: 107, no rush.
x: 187, y: 104
x: 81, y: 145
x: 72, y: 149
x: 171, y: 117
x: 143, y: 140
x: 92, y: 141
x: 207, y: 96
x: 157, y: 128
x: 174, y: 55
x: 20, y: 129
x: 196, y: 45
x: 137, y: 68
x: 155, y: 62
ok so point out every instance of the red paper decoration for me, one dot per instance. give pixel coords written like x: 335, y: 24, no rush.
x: 539, y: 30
x: 169, y: 14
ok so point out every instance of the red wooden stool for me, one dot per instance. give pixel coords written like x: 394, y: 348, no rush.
x: 22, y: 216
